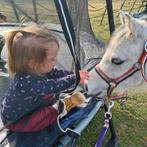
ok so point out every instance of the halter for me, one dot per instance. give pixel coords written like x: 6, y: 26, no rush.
x: 113, y: 82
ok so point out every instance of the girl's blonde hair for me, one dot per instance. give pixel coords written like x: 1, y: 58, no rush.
x: 25, y: 44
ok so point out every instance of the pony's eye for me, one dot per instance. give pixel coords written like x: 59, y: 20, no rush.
x: 117, y: 61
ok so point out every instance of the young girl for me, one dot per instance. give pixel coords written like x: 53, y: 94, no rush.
x: 30, y: 103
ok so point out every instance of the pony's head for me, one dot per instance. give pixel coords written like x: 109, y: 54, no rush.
x: 120, y: 65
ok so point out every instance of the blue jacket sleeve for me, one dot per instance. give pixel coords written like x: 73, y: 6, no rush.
x: 55, y: 73
x: 49, y: 86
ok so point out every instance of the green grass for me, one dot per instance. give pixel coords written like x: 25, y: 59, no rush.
x: 130, y: 124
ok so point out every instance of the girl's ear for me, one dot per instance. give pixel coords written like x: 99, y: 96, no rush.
x: 32, y: 65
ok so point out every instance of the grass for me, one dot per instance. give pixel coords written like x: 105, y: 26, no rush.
x: 131, y: 122
x: 45, y: 10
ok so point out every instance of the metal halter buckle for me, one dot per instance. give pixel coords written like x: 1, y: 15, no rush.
x: 137, y: 65
x: 112, y: 84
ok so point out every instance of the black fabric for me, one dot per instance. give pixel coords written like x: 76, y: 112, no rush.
x: 71, y: 139
x: 63, y: 22
x: 2, y: 62
x: 69, y: 33
x: 44, y: 138
x: 2, y: 42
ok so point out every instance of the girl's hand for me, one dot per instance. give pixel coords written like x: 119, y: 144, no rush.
x: 84, y: 75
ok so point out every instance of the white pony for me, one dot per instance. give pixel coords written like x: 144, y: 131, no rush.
x: 123, y: 65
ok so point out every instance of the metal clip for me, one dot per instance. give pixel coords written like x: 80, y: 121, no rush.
x: 110, y: 105
x: 108, y: 114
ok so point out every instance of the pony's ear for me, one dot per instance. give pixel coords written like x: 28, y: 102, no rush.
x: 130, y: 24
x: 122, y: 17
x: 125, y: 19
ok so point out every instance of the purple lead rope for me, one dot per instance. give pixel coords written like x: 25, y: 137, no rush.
x: 108, y: 116
x: 102, y: 133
